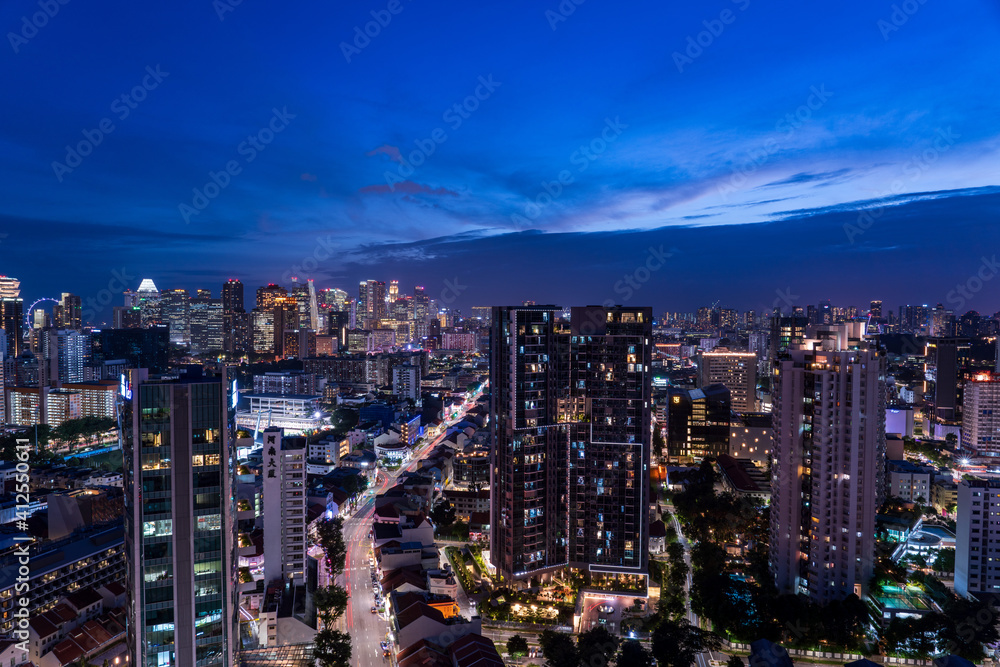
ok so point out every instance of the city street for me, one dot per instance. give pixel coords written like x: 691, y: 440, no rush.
x: 367, y: 630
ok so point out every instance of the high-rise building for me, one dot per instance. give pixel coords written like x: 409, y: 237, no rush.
x: 571, y: 433
x: 371, y: 303
x: 981, y: 418
x: 268, y: 295
x: 127, y: 317
x: 421, y: 304
x: 175, y: 307
x: 977, y: 537
x: 10, y: 288
x: 12, y: 323
x: 736, y: 370
x: 946, y: 354
x: 179, y: 532
x: 284, y: 502
x: 147, y: 297
x: 828, y: 470
x: 301, y: 295
x: 207, y: 322
x: 236, y: 329
x: 875, y: 309
x: 72, y: 351
x: 263, y: 330
x: 68, y: 313
x: 406, y: 381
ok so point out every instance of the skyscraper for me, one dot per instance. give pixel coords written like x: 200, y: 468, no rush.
x: 179, y: 520
x: 828, y: 465
x: 68, y: 313
x: 371, y: 302
x: 12, y: 323
x: 175, y: 306
x: 571, y: 433
x: 235, y: 321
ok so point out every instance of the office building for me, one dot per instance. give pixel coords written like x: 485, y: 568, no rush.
x: 12, y: 323
x: 235, y: 321
x: 828, y: 470
x: 736, y: 370
x: 263, y: 330
x: 371, y: 303
x: 72, y: 350
x: 698, y: 422
x: 981, y: 418
x: 294, y: 413
x: 179, y: 532
x: 585, y: 384
x: 127, y: 317
x: 284, y: 502
x: 206, y: 322
x: 946, y: 356
x: 68, y: 313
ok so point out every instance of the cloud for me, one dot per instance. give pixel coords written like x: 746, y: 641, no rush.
x: 407, y: 188
x: 806, y: 177
x: 308, y: 177
x: 391, y: 151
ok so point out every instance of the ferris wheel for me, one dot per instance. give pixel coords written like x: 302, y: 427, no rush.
x: 31, y: 309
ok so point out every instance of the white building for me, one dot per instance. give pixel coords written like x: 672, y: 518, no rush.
x: 295, y: 413
x: 829, y: 453
x: 284, y: 501
x: 977, y: 538
x: 910, y: 482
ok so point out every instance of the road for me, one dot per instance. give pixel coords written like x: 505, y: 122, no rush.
x: 702, y: 659
x: 368, y: 630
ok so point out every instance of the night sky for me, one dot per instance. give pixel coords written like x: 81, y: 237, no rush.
x: 747, y: 152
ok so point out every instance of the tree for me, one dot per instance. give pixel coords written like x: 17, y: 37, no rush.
x: 331, y: 539
x: 945, y: 560
x: 735, y: 661
x: 634, y: 654
x: 443, y: 514
x: 677, y: 643
x: 597, y: 642
x: 332, y: 648
x: 331, y: 603
x: 517, y: 646
x: 558, y: 649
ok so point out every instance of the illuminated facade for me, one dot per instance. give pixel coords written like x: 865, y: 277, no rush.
x: 828, y: 470
x: 179, y: 532
x: 981, y: 417
x: 571, y: 433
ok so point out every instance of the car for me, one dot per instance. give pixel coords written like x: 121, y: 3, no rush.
x: 373, y: 610
x: 384, y: 645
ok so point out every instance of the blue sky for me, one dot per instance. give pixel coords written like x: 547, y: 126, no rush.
x: 694, y: 124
